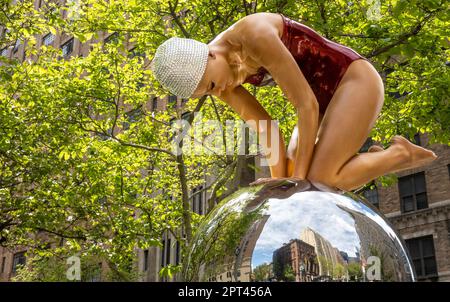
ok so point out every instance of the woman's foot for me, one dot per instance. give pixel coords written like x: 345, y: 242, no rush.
x: 415, y: 156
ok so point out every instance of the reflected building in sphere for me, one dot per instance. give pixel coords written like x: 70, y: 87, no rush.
x: 328, y: 256
x: 372, y: 245
x: 253, y: 235
x: 295, y: 261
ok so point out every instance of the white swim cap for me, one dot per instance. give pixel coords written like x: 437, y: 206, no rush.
x: 179, y: 65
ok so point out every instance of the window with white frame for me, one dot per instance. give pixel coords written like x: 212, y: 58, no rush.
x: 67, y: 48
x: 4, y: 52
x: 371, y: 194
x: 16, y: 46
x: 48, y: 39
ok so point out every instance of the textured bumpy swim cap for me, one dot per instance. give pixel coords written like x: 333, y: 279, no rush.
x: 179, y: 65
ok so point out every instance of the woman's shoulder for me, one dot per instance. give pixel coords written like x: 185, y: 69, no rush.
x: 251, y: 27
x: 262, y: 23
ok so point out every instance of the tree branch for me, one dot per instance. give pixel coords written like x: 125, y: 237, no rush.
x: 80, y: 237
x: 403, y: 37
x: 245, y: 7
x: 212, y: 201
x: 321, y: 7
x: 176, y: 19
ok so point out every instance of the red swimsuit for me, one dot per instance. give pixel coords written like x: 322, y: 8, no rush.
x: 322, y: 62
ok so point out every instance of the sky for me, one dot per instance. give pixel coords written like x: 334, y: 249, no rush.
x: 313, y: 209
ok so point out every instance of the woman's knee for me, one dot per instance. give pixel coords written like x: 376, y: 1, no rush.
x: 322, y: 174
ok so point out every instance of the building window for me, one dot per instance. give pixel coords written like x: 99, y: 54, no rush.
x: 95, y: 273
x: 186, y: 115
x: 16, y: 46
x: 3, y: 264
x: 154, y: 103
x: 422, y: 254
x: 413, y: 193
x: 163, y: 252
x: 135, y: 115
x: 132, y: 116
x: 200, y: 201
x: 172, y: 101
x: 168, y: 252
x: 18, y: 261
x: 417, y: 139
x: 113, y: 38
x: 177, y: 251
x: 140, y: 84
x: 194, y: 191
x: 135, y: 53
x: 106, y: 136
x: 448, y: 229
x: 145, y: 260
x: 48, y: 39
x: 372, y: 196
x: 197, y: 201
x: 397, y: 94
x: 176, y: 130
x: 67, y: 48
x: 4, y: 52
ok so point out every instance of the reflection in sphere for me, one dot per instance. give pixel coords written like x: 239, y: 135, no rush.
x: 296, y: 231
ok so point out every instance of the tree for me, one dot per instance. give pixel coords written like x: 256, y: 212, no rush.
x: 262, y: 272
x: 355, y: 271
x: 288, y: 274
x: 85, y: 162
x: 338, y: 271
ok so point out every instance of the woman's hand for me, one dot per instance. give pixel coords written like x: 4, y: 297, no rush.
x: 274, y: 180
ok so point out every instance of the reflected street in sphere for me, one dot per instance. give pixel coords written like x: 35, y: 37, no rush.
x: 296, y: 231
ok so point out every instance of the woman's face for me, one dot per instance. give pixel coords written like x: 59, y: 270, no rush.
x: 218, y: 75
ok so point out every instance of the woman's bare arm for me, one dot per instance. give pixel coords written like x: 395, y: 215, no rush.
x: 265, y: 46
x: 249, y: 109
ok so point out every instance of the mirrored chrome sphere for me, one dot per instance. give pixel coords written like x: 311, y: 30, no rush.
x: 296, y: 231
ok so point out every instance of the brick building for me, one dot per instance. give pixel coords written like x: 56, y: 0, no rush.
x: 298, y: 257
x: 324, y: 250
x: 10, y: 261
x: 419, y: 208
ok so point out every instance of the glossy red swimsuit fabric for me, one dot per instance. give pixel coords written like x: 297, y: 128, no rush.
x: 322, y: 62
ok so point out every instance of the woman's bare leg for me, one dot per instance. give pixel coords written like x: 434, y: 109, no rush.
x: 292, y: 148
x: 347, y: 122
x: 400, y: 156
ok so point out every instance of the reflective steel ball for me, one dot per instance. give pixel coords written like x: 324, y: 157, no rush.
x: 296, y: 231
